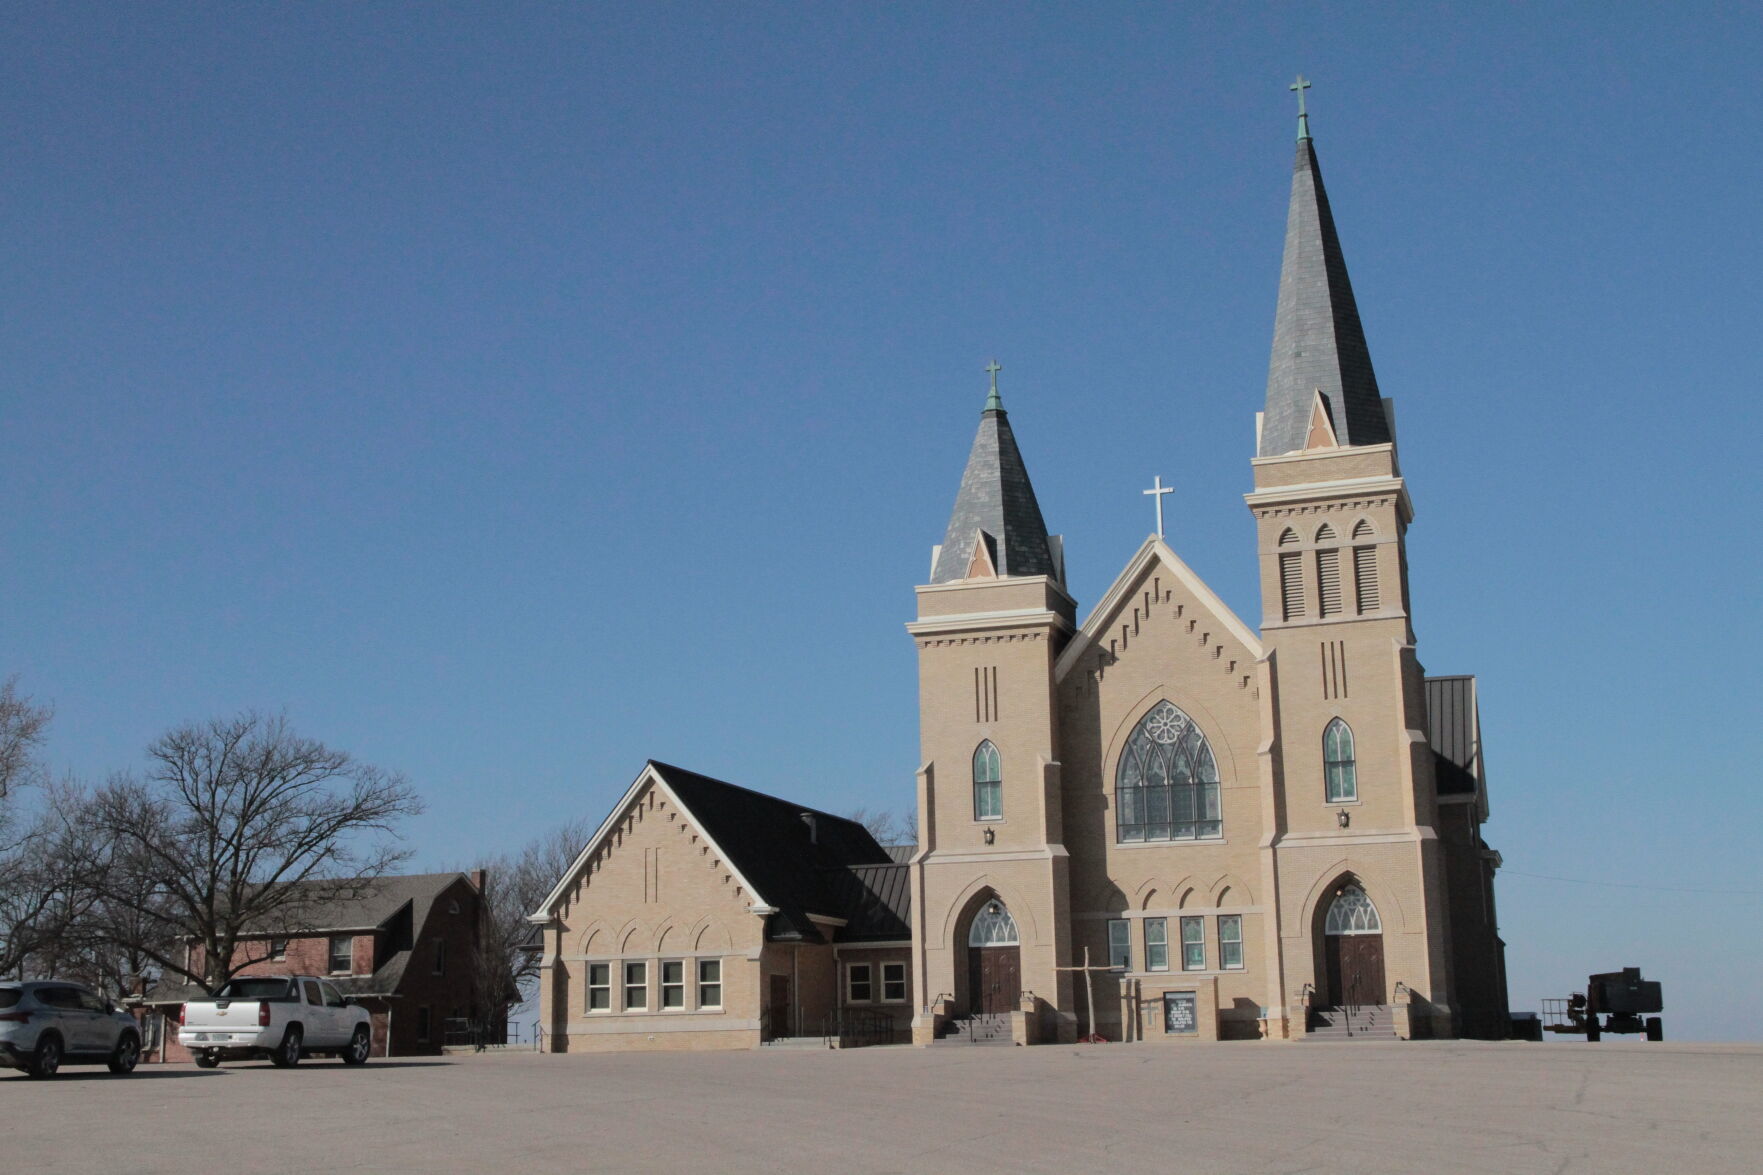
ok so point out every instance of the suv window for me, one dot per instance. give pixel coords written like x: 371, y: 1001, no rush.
x: 93, y: 1003
x: 255, y: 989
x: 9, y: 996
x: 312, y: 996
x: 332, y: 997
x: 59, y: 997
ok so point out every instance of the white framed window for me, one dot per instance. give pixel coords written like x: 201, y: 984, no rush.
x: 1230, y: 942
x: 278, y: 948
x: 988, y: 783
x: 1119, y: 943
x: 710, y: 983
x: 673, y: 983
x: 599, y: 987
x: 1156, y: 944
x: 893, y: 983
x: 859, y: 985
x: 1166, y: 784
x: 636, y: 987
x: 1193, y: 944
x: 1338, y: 766
x: 342, y: 954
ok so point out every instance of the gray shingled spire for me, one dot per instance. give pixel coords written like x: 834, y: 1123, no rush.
x: 1318, y: 342
x: 996, y: 498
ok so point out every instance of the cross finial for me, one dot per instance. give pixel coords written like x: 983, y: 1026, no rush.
x: 1300, y: 86
x: 993, y: 403
x: 1155, y: 493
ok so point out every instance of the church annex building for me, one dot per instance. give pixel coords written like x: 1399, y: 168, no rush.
x: 1161, y: 824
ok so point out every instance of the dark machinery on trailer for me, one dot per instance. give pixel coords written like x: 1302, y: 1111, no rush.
x: 1624, y: 1000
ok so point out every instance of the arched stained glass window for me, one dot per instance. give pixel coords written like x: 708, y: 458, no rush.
x: 1166, y: 785
x: 1352, y: 913
x: 1338, y: 767
x: 993, y: 927
x: 988, y: 783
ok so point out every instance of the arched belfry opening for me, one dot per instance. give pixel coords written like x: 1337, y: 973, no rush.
x: 994, y: 958
x: 1350, y: 970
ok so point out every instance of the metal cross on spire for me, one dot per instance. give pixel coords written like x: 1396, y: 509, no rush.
x: 1155, y: 493
x: 993, y: 403
x: 1300, y: 86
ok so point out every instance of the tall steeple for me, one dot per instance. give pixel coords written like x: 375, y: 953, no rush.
x: 995, y: 509
x: 1318, y: 342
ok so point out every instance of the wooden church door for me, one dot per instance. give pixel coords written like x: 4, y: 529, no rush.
x: 1353, y: 950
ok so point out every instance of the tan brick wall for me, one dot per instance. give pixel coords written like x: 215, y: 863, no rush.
x: 654, y: 892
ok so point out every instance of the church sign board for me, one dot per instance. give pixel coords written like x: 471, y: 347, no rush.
x: 1181, y: 1013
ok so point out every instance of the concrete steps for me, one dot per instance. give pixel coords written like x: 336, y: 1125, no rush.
x: 973, y: 1031
x: 795, y: 1042
x: 1361, y: 1022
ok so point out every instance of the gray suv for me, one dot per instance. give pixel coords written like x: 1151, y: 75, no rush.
x: 45, y: 1022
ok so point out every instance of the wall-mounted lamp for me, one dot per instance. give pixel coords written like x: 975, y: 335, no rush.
x: 1343, y: 817
x: 991, y: 835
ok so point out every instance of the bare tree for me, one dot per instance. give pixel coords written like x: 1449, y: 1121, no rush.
x: 885, y: 827
x: 23, y: 723
x: 518, y: 882
x: 239, y: 824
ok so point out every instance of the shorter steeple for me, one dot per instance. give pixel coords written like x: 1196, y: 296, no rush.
x: 996, y: 527
x: 1318, y: 342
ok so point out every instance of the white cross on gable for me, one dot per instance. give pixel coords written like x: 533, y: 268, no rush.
x: 1155, y: 493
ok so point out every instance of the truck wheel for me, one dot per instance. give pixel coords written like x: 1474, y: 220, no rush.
x: 206, y: 1059
x: 47, y: 1059
x: 360, y: 1045
x: 1655, y: 1028
x: 1592, y: 1030
x: 287, y: 1054
x: 127, y: 1054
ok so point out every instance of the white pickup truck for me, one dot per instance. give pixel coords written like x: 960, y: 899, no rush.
x: 282, y: 1017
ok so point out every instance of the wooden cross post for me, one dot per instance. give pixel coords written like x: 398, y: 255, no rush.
x: 1089, y: 988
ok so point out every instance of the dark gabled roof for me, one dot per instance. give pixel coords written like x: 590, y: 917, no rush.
x: 356, y: 907
x: 877, y: 902
x: 1318, y: 340
x: 793, y: 862
x: 995, y: 500
x: 901, y: 853
x: 1453, y: 727
x: 356, y: 904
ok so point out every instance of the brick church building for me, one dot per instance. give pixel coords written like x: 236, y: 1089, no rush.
x: 1161, y: 823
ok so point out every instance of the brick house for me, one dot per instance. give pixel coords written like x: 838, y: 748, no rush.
x: 401, y: 947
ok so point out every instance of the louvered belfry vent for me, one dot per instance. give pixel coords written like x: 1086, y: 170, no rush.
x: 1328, y: 581
x: 1291, y: 585
x: 1365, y: 578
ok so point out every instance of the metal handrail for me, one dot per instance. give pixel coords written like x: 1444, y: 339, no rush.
x: 851, y: 1028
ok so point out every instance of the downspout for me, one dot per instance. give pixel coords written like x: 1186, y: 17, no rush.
x: 796, y: 988
x: 388, y: 1028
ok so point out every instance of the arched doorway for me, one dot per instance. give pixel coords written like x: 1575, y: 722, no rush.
x: 1352, y: 936
x: 994, y: 961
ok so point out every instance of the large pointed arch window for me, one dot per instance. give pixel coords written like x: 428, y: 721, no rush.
x: 988, y: 783
x: 1352, y: 913
x: 1166, y: 785
x: 1338, y: 766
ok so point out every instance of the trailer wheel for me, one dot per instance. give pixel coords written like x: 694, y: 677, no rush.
x: 1593, y: 1030
x: 1655, y: 1028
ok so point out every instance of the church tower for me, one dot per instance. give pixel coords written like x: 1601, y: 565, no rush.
x: 989, y: 881
x: 1357, y: 812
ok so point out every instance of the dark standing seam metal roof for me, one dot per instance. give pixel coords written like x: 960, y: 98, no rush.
x: 995, y: 497
x: 877, y: 901
x: 797, y: 870
x: 1318, y: 341
x: 1453, y: 727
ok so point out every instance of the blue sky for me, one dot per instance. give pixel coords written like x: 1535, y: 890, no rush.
x: 513, y: 393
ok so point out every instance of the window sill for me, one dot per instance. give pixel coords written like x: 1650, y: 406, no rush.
x: 1167, y: 844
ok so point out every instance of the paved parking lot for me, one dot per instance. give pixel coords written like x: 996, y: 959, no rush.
x: 1434, y: 1107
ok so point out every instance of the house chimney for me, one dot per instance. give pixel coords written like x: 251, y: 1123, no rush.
x: 813, y: 824
x: 478, y: 880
